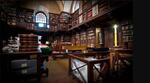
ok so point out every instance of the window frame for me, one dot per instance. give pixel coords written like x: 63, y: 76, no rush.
x: 38, y: 13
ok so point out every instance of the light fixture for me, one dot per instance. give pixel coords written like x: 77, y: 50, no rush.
x: 115, y: 35
x: 115, y: 26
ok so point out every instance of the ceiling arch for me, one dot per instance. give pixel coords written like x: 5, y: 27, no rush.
x: 52, y: 5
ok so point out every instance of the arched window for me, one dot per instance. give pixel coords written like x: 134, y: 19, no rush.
x: 41, y: 19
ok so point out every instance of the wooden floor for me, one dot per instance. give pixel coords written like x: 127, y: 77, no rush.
x: 58, y: 72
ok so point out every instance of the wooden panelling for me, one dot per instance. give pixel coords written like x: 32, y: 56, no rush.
x: 109, y: 41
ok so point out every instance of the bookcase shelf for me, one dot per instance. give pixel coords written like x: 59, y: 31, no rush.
x: 64, y: 20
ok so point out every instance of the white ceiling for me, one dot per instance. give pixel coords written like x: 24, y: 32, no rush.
x: 68, y: 5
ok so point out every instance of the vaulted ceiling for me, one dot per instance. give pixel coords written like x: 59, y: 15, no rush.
x: 71, y: 5
x: 51, y: 5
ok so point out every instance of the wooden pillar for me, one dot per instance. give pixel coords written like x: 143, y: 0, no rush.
x: 90, y: 73
x: 112, y: 54
x: 70, y: 70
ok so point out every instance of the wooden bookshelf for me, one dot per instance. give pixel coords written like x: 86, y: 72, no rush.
x: 53, y: 21
x: 94, y: 10
x: 91, y: 37
x: 73, y: 39
x: 75, y: 19
x: 77, y: 37
x: 20, y: 16
x: 3, y: 15
x: 64, y: 19
x: 127, y: 35
x: 83, y: 38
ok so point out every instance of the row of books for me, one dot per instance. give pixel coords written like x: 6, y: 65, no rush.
x: 87, y: 38
x: 19, y: 15
x: 25, y: 18
x: 64, y: 20
x: 59, y: 21
x: 53, y: 19
x: 28, y: 42
x: 127, y: 31
x: 88, y: 10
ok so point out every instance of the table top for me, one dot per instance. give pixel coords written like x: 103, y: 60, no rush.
x: 18, y: 53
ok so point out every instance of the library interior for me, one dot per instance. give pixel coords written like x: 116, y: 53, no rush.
x: 66, y: 41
